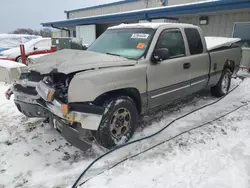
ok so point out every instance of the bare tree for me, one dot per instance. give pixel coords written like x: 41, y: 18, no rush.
x: 46, y: 32
x: 25, y: 31
x: 43, y: 32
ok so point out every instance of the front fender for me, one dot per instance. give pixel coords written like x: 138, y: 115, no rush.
x: 87, y: 86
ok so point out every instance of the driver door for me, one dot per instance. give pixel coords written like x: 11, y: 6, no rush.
x: 169, y: 79
x: 42, y: 47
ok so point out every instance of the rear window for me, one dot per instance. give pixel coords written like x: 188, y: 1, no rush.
x: 194, y: 41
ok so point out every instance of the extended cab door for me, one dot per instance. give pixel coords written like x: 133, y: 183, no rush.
x: 198, y: 58
x: 169, y: 79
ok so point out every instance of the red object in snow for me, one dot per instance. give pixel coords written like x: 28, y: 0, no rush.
x: 23, y: 56
x: 53, y: 48
x: 8, y: 94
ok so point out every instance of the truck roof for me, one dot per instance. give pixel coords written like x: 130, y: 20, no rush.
x: 152, y: 25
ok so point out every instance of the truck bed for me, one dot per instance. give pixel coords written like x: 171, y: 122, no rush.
x: 218, y: 42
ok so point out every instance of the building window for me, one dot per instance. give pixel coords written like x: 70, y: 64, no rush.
x: 241, y: 30
x: 74, y: 33
x: 162, y: 2
x: 194, y: 41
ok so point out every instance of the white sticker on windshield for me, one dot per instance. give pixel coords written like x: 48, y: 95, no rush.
x: 139, y: 36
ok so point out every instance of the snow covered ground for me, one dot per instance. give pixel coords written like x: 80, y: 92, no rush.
x: 32, y: 154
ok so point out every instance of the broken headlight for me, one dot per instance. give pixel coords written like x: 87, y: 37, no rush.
x: 45, y: 91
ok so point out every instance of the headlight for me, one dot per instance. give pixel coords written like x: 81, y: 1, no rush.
x: 46, y: 92
x: 3, y: 54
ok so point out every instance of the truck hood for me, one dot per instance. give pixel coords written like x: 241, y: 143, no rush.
x: 69, y: 61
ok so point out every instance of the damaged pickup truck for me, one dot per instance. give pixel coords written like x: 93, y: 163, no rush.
x: 129, y: 70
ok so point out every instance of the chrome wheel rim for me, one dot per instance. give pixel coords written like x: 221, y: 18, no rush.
x: 119, y: 124
x: 225, y: 83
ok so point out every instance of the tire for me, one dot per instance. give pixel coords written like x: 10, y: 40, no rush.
x: 19, y: 59
x: 223, y: 85
x: 118, y: 123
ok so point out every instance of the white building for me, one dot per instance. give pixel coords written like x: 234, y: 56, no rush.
x: 216, y: 17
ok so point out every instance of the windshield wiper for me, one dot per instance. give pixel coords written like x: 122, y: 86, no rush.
x: 120, y: 56
x: 113, y: 54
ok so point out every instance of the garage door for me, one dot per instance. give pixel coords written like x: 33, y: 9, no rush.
x: 241, y: 30
x: 87, y: 33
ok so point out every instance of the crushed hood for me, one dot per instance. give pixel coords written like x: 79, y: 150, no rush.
x: 69, y: 61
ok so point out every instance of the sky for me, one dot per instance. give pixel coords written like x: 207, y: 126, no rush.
x: 30, y: 13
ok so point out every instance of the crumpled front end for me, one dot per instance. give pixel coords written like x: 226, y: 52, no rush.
x: 46, y: 96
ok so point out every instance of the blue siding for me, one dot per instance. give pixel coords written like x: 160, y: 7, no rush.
x: 204, y: 7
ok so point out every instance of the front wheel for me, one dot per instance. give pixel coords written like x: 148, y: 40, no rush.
x: 118, y: 123
x: 223, y: 85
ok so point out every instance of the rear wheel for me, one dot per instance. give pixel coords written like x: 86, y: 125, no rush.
x: 118, y: 123
x: 223, y: 85
x: 19, y: 59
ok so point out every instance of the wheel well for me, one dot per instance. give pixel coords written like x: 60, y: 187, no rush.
x: 230, y: 65
x: 17, y: 57
x: 21, y: 57
x: 133, y: 93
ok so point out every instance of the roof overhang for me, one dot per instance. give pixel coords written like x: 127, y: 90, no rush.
x: 203, y: 7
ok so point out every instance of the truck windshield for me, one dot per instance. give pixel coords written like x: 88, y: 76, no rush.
x: 128, y: 43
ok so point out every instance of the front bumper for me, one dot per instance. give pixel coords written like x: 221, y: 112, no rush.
x: 33, y: 107
x: 75, y: 134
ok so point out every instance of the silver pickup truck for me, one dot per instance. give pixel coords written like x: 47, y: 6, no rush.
x: 129, y: 70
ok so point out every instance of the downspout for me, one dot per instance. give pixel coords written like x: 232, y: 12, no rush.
x: 61, y: 28
x: 146, y: 17
x: 165, y: 3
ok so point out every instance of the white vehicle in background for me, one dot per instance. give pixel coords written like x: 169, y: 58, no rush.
x: 34, y: 59
x: 8, y: 41
x: 10, y: 71
x: 33, y: 47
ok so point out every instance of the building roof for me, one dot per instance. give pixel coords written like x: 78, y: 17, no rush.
x: 100, y: 6
x: 151, y: 25
x: 201, y: 7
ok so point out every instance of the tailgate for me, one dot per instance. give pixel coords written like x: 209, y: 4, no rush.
x: 220, y: 57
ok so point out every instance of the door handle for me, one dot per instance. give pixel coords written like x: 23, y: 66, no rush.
x: 186, y: 65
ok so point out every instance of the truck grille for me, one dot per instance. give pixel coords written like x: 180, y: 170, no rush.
x: 27, y: 90
x: 33, y: 76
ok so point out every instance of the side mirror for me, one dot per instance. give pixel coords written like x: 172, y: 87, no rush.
x: 160, y: 54
x: 35, y: 48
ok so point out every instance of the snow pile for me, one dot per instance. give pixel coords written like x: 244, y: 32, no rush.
x: 34, y: 155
